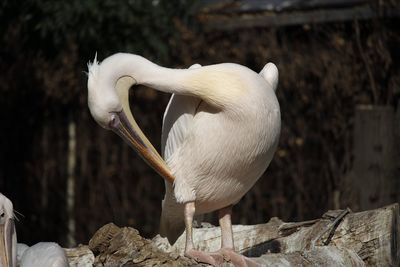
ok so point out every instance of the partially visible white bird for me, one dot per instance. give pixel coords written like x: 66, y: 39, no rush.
x: 43, y: 254
x: 220, y: 131
x: 8, y: 236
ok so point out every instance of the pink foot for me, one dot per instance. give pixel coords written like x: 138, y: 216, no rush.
x: 237, y: 259
x: 214, y: 259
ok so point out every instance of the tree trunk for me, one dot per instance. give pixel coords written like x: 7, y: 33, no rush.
x: 339, y: 238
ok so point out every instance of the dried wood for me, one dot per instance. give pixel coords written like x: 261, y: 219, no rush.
x: 372, y: 235
x: 80, y: 256
x: 114, y: 246
x: 339, y: 238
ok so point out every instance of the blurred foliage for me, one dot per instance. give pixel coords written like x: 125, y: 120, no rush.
x: 58, y: 37
x: 325, y: 71
x: 48, y: 27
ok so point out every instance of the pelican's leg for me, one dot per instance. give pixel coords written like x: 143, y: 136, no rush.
x: 225, y: 222
x: 227, y: 244
x: 190, y: 251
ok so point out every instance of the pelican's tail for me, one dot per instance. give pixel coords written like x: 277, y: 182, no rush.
x: 270, y: 74
x: 172, y: 222
x: 171, y: 229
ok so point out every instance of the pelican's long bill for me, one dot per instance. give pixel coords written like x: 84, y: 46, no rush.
x: 125, y: 126
x: 7, y: 243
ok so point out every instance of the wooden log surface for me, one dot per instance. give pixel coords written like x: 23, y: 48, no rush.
x: 339, y: 238
x: 80, y: 256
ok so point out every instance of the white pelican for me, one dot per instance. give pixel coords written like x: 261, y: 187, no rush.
x: 8, y: 236
x: 220, y: 131
x: 43, y: 254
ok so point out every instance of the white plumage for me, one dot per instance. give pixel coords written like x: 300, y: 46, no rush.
x: 217, y: 156
x: 220, y: 131
x: 43, y: 254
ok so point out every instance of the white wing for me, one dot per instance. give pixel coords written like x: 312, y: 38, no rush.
x: 177, y: 120
x: 181, y: 109
x: 178, y: 117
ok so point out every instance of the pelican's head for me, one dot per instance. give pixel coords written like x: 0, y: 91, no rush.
x: 103, y: 99
x: 8, y: 238
x: 108, y: 100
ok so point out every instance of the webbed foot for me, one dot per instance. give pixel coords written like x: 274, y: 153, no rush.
x: 238, y: 260
x: 214, y: 259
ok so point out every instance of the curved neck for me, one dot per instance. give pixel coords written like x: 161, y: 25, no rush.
x: 146, y: 73
x: 218, y: 85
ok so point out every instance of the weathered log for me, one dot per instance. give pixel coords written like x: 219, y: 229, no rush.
x: 372, y: 235
x: 114, y: 246
x: 80, y: 256
x: 317, y: 256
x: 339, y: 238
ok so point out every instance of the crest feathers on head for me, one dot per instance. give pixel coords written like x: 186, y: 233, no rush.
x: 93, y: 66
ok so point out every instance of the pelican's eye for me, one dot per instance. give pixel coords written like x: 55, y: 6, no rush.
x: 114, y: 121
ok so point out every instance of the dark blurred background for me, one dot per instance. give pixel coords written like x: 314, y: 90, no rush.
x: 339, y: 90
